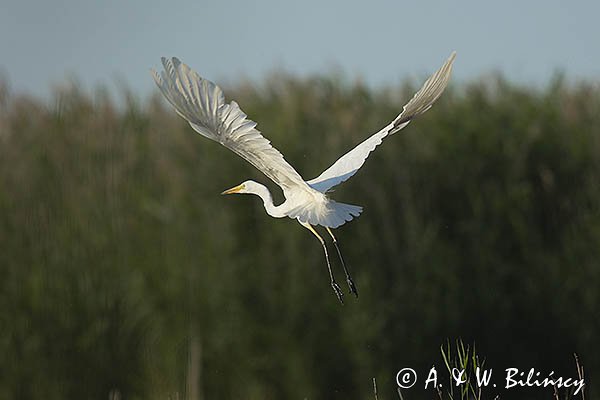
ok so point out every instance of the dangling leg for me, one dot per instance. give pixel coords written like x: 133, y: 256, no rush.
x: 351, y: 284
x: 334, y: 285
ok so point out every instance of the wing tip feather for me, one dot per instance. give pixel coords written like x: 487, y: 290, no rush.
x: 429, y: 93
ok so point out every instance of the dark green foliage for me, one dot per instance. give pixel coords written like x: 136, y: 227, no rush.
x: 117, y: 254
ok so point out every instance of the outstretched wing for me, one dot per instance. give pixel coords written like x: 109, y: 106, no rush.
x: 202, y: 104
x: 347, y: 165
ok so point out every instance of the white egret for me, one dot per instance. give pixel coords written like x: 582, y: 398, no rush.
x: 203, y: 105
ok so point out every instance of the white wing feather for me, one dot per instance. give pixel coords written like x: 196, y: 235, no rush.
x: 347, y: 165
x: 202, y: 104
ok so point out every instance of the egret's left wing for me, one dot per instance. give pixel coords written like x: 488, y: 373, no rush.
x: 348, y: 164
x: 202, y: 104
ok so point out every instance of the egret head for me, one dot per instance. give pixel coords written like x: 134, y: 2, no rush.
x: 251, y: 187
x: 248, y: 187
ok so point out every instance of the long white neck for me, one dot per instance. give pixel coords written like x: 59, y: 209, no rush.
x: 271, y: 209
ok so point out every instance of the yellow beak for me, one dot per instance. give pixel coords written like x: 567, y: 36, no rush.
x: 236, y: 189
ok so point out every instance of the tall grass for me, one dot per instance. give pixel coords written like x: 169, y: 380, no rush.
x: 118, y: 256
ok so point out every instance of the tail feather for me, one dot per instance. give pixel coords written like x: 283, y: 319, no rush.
x: 335, y: 215
x: 344, y: 212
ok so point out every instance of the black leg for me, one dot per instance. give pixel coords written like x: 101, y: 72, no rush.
x: 334, y: 285
x: 349, y: 280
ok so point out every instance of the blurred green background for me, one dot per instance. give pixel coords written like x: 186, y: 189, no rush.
x: 124, y: 274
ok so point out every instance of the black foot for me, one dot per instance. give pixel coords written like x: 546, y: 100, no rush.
x: 338, y: 292
x: 352, y: 286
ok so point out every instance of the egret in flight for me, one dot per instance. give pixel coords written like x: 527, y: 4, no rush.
x: 203, y: 105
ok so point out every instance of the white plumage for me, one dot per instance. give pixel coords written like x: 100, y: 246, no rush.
x: 349, y: 163
x: 203, y: 105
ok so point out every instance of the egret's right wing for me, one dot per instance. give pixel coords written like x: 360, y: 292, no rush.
x: 347, y: 165
x: 202, y: 104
